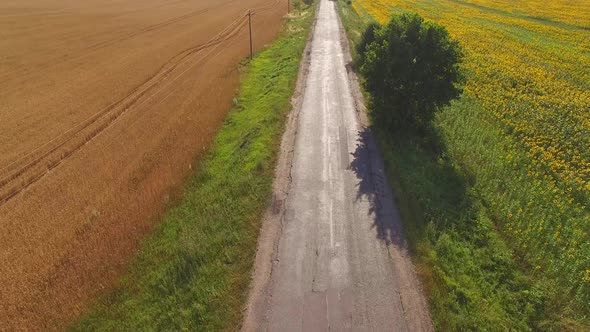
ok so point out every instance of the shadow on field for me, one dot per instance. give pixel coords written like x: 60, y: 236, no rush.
x: 435, y: 191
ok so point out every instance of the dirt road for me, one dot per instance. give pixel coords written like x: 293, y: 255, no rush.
x: 104, y: 106
x: 340, y: 261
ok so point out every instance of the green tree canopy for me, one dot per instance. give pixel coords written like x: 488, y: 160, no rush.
x: 411, y: 68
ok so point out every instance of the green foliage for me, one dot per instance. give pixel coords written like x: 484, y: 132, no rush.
x: 473, y: 280
x: 193, y: 273
x: 411, y: 69
x: 367, y: 38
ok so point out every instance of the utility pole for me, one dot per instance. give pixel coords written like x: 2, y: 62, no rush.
x: 250, y: 28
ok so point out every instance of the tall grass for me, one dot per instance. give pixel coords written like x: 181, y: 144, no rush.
x: 194, y: 272
x: 454, y: 195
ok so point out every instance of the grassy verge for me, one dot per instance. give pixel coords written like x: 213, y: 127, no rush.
x: 475, y: 277
x: 194, y: 272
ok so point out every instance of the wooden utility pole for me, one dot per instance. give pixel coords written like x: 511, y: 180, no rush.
x: 250, y: 28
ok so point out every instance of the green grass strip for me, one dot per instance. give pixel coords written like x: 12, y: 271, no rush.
x: 193, y: 272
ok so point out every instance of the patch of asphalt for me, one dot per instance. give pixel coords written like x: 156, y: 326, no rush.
x: 272, y: 223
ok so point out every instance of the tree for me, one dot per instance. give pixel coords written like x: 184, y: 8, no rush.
x: 411, y: 69
x: 367, y: 38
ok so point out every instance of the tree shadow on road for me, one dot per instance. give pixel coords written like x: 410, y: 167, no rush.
x: 440, y: 189
x: 372, y: 186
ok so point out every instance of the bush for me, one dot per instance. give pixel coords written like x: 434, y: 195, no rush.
x: 367, y: 38
x: 411, y: 68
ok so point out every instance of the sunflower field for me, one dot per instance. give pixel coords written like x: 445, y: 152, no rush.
x: 528, y: 67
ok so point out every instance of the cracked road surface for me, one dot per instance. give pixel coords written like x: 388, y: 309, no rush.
x: 341, y: 262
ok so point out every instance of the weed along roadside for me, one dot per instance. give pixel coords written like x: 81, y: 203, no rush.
x: 454, y: 183
x: 193, y: 272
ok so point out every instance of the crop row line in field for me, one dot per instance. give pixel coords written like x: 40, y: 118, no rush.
x: 100, y: 45
x: 34, y: 165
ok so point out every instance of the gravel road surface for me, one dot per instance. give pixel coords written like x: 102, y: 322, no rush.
x: 340, y: 261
